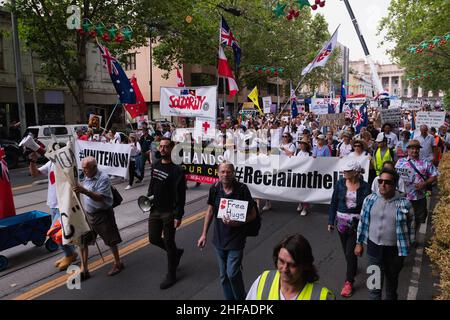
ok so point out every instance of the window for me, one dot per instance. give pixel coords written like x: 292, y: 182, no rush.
x: 130, y: 61
x: 57, y: 131
x: 1, y: 52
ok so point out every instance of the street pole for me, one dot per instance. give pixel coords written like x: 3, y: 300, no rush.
x: 18, y: 68
x: 151, y: 80
x: 278, y: 94
x: 33, y: 83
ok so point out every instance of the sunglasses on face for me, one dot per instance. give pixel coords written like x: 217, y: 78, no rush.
x: 388, y: 182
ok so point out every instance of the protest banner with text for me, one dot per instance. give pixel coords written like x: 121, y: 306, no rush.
x: 431, y: 119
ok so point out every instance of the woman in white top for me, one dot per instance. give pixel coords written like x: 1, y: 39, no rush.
x: 287, y: 147
x: 134, y: 155
x: 345, y: 147
x: 304, y: 150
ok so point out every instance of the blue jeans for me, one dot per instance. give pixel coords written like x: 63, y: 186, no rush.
x: 230, y: 265
x: 67, y: 248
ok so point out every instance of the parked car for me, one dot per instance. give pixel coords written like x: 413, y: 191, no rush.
x: 13, y: 152
x: 62, y: 132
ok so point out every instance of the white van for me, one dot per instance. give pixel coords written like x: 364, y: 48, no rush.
x: 62, y: 132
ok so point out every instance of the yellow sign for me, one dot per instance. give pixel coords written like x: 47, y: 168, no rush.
x: 248, y: 105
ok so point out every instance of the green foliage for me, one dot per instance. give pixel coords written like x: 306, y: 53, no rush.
x: 63, y: 51
x: 265, y: 39
x: 409, y: 23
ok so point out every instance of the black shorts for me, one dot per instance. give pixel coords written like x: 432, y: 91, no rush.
x: 420, y: 210
x: 102, y: 223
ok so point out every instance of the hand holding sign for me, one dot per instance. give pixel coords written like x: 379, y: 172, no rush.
x: 232, y: 210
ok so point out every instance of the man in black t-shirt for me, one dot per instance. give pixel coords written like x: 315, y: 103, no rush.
x: 168, y: 187
x: 145, y: 141
x: 229, y: 236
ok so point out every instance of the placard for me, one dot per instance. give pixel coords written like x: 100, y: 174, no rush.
x: 235, y: 210
x: 333, y: 119
x: 267, y: 103
x: 204, y: 128
x: 391, y: 116
x: 431, y: 119
x: 319, y: 106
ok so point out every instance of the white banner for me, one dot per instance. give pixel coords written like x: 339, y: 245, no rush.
x: 189, y: 102
x: 73, y: 221
x: 204, y: 128
x: 391, y: 116
x: 267, y: 103
x: 431, y: 119
x: 112, y: 158
x: 293, y: 179
x: 319, y: 106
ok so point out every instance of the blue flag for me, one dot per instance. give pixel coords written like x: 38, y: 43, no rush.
x: 119, y: 79
x: 360, y: 118
x: 343, y: 96
x: 294, y: 109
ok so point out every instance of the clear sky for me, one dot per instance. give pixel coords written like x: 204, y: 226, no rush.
x: 368, y: 13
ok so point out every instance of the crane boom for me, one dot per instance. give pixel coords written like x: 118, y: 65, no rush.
x: 373, y: 70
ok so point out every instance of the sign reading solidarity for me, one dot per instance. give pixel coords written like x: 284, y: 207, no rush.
x: 235, y: 210
x: 431, y: 119
x: 112, y: 158
x: 189, y: 102
x: 204, y: 128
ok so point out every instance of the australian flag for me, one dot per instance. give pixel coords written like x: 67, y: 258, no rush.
x: 118, y: 77
x: 227, y: 38
x: 360, y: 117
x: 343, y: 96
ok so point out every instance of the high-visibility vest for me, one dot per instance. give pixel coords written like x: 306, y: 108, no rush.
x: 379, y: 162
x: 269, y: 289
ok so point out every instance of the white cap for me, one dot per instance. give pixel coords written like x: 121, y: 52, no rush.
x: 353, y: 166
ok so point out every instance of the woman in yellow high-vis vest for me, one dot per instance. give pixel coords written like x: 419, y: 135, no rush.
x: 296, y: 276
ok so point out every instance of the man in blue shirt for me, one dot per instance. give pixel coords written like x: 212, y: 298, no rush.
x: 97, y: 202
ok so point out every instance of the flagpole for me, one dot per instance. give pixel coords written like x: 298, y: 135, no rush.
x: 109, y: 119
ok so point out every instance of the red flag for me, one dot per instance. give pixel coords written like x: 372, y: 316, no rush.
x: 180, y: 82
x: 7, y: 208
x: 224, y: 70
x: 135, y: 110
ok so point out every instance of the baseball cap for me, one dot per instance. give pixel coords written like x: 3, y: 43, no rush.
x: 321, y: 136
x: 380, y: 138
x: 353, y: 166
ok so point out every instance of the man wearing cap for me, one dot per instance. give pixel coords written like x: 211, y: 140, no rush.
x: 321, y: 150
x: 418, y: 174
x: 382, y: 154
x: 387, y: 133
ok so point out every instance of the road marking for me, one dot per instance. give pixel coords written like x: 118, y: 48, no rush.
x: 132, y: 247
x: 22, y: 187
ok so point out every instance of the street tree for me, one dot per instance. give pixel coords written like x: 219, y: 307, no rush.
x: 410, y: 23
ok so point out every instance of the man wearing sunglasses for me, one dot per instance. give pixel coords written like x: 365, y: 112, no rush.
x: 387, y: 227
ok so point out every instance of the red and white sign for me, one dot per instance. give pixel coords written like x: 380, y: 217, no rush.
x: 235, y: 210
x: 204, y: 128
x: 189, y: 102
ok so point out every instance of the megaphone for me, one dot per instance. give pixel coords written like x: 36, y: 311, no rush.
x: 29, y: 143
x: 145, y: 203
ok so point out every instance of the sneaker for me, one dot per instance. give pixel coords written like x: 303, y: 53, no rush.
x: 304, y: 212
x: 347, y: 290
x: 300, y: 207
x: 179, y: 254
x: 138, y: 180
x: 267, y: 206
x: 128, y: 187
x: 169, y: 281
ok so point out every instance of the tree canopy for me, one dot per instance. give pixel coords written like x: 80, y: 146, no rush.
x: 410, y: 22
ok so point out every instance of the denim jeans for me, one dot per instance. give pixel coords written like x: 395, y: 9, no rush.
x: 67, y: 248
x: 390, y: 265
x: 230, y: 265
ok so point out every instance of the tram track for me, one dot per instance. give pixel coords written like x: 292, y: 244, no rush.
x: 189, y: 207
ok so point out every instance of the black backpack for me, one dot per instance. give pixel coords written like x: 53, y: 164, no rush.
x: 252, y: 227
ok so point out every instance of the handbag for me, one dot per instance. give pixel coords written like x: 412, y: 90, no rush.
x: 117, y: 198
x: 428, y: 187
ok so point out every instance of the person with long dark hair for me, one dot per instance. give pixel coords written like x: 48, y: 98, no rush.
x: 295, y: 277
x: 344, y: 212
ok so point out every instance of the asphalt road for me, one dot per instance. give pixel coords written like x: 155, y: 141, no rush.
x: 31, y: 273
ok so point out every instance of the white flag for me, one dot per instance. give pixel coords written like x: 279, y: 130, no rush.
x: 324, y: 54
